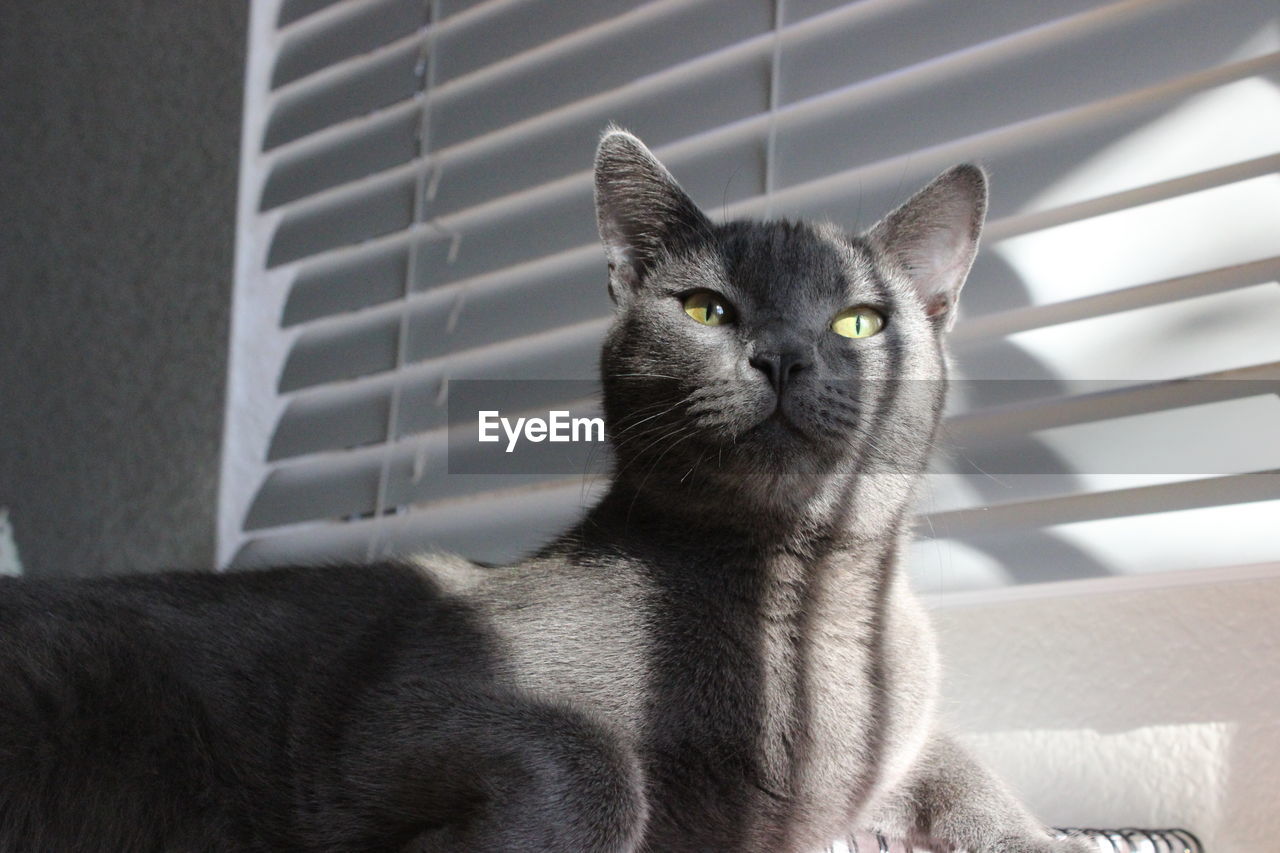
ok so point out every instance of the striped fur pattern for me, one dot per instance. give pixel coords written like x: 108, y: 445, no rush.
x: 721, y: 656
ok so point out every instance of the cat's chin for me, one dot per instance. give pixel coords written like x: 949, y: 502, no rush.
x: 777, y: 426
x: 790, y: 437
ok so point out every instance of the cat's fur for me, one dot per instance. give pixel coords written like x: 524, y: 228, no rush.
x: 722, y: 656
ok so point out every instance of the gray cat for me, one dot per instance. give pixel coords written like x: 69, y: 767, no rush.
x: 723, y: 655
x: 734, y: 608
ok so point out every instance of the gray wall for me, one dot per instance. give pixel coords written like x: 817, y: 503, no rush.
x: 119, y: 136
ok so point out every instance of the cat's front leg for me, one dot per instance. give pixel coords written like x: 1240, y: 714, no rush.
x: 450, y: 771
x: 950, y: 802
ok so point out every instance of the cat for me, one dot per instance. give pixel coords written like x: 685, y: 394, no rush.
x: 722, y: 655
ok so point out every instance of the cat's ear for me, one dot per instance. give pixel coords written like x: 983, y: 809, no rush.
x: 933, y: 237
x: 641, y: 210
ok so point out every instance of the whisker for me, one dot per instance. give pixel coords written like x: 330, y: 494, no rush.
x: 630, y: 427
x: 688, y: 432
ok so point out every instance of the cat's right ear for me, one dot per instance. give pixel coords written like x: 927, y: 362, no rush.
x: 641, y: 210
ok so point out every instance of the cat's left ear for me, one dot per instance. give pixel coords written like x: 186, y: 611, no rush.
x: 642, y: 212
x: 933, y: 237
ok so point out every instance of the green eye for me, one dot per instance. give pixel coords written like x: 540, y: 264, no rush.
x: 860, y: 322
x: 706, y: 308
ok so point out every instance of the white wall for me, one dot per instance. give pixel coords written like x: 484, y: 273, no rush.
x: 119, y: 125
x: 1120, y: 703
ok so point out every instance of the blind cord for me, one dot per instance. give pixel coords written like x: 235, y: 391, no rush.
x: 775, y: 85
x: 424, y: 187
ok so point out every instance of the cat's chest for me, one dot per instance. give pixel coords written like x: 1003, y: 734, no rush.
x: 784, y: 672
x: 821, y: 645
x: 853, y: 676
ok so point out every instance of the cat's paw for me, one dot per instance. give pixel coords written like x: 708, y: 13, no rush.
x: 1044, y: 844
x: 1073, y: 845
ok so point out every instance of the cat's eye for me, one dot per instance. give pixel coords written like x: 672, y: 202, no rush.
x: 858, y: 322
x: 707, y: 308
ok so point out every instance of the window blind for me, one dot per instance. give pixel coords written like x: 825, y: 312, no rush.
x: 416, y: 207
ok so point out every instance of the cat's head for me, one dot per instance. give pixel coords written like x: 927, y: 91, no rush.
x: 770, y: 359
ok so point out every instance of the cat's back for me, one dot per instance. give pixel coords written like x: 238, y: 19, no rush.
x: 179, y: 708
x: 207, y: 624
x: 241, y: 643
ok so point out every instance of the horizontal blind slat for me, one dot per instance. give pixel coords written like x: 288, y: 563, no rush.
x: 1150, y: 344
x: 369, y: 26
x: 494, y: 527
x: 386, y: 141
x: 1036, y: 412
x: 388, y: 76
x: 1107, y: 549
x: 1120, y: 503
x: 515, y: 30
x: 1014, y: 226
x: 972, y: 330
x: 295, y: 10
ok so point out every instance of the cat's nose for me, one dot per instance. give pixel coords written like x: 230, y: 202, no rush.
x: 779, y: 367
